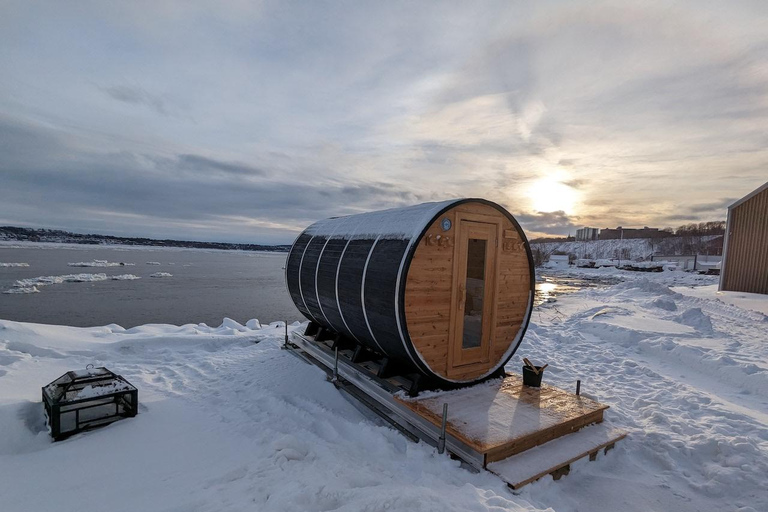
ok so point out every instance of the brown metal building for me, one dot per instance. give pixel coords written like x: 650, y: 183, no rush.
x: 745, y: 251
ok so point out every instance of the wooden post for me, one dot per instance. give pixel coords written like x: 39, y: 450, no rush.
x: 578, y: 387
x: 441, y: 440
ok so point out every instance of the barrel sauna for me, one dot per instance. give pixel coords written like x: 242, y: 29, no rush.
x: 444, y: 288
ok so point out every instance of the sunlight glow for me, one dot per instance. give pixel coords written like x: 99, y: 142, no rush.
x: 550, y: 194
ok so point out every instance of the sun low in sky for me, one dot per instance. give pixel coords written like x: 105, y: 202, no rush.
x: 550, y: 194
x: 247, y: 121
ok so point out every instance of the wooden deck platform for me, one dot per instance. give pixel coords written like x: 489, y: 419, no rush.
x: 501, y: 418
x: 516, y: 432
x: 555, y: 457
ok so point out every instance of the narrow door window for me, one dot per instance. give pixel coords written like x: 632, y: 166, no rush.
x: 474, y: 294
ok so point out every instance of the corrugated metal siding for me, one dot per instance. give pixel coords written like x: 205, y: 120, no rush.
x: 746, y: 265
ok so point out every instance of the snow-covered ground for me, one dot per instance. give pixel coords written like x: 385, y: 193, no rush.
x: 229, y: 421
x: 633, y: 248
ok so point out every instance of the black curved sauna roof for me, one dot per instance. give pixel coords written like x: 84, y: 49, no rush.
x: 394, y: 224
x: 406, y: 225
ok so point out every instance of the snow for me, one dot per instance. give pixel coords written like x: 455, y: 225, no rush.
x: 5, y: 265
x: 230, y: 421
x: 630, y: 248
x: 753, y: 301
x: 557, y: 261
x: 634, y: 248
x: 396, y: 223
x: 124, y: 277
x: 100, y: 263
x: 113, y: 387
x: 31, y: 284
x: 549, y: 456
x: 89, y: 372
x: 161, y: 274
x: 22, y: 290
x: 153, y: 263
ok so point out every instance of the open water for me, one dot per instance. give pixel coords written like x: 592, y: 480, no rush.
x: 205, y: 286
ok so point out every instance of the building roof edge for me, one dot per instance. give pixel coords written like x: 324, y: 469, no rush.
x: 749, y: 196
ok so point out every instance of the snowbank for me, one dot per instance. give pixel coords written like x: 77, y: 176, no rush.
x: 230, y: 421
x: 687, y: 375
x: 667, y: 277
x: 753, y: 301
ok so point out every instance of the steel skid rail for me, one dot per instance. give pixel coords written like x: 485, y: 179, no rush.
x: 378, y: 395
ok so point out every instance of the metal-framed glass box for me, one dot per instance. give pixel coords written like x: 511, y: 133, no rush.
x: 84, y: 399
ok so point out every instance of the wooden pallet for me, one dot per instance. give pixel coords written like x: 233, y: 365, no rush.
x: 555, y: 457
x: 503, y: 417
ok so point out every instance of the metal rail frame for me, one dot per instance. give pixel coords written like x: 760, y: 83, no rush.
x: 382, y: 401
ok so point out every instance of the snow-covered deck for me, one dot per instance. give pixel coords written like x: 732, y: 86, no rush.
x: 502, y: 417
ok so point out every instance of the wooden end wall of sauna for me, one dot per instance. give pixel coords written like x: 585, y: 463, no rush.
x: 430, y: 297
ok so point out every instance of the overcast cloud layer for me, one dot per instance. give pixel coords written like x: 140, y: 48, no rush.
x: 246, y: 121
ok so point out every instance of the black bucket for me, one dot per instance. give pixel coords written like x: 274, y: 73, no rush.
x: 531, y: 378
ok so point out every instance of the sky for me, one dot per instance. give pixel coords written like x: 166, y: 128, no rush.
x: 247, y: 121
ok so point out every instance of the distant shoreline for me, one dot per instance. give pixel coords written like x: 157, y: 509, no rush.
x: 45, y: 236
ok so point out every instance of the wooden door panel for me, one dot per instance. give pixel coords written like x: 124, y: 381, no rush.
x: 473, y: 315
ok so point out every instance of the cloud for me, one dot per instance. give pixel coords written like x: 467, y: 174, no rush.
x: 575, y: 183
x: 263, y: 118
x: 198, y: 163
x: 554, y: 223
x: 718, y: 207
x: 133, y: 95
x: 192, y: 196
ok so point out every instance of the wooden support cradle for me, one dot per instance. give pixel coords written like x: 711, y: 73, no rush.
x: 517, y: 432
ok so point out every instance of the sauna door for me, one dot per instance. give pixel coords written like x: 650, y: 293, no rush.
x: 475, y: 280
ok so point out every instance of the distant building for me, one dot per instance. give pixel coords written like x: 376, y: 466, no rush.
x: 585, y: 234
x: 745, y: 250
x: 627, y: 233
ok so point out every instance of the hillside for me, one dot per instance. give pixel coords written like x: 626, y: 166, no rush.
x: 634, y: 249
x: 12, y: 233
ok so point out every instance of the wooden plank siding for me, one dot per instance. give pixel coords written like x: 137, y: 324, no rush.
x: 431, y: 297
x: 745, y: 265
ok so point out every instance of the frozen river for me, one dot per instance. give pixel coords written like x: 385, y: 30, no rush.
x: 205, y: 286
